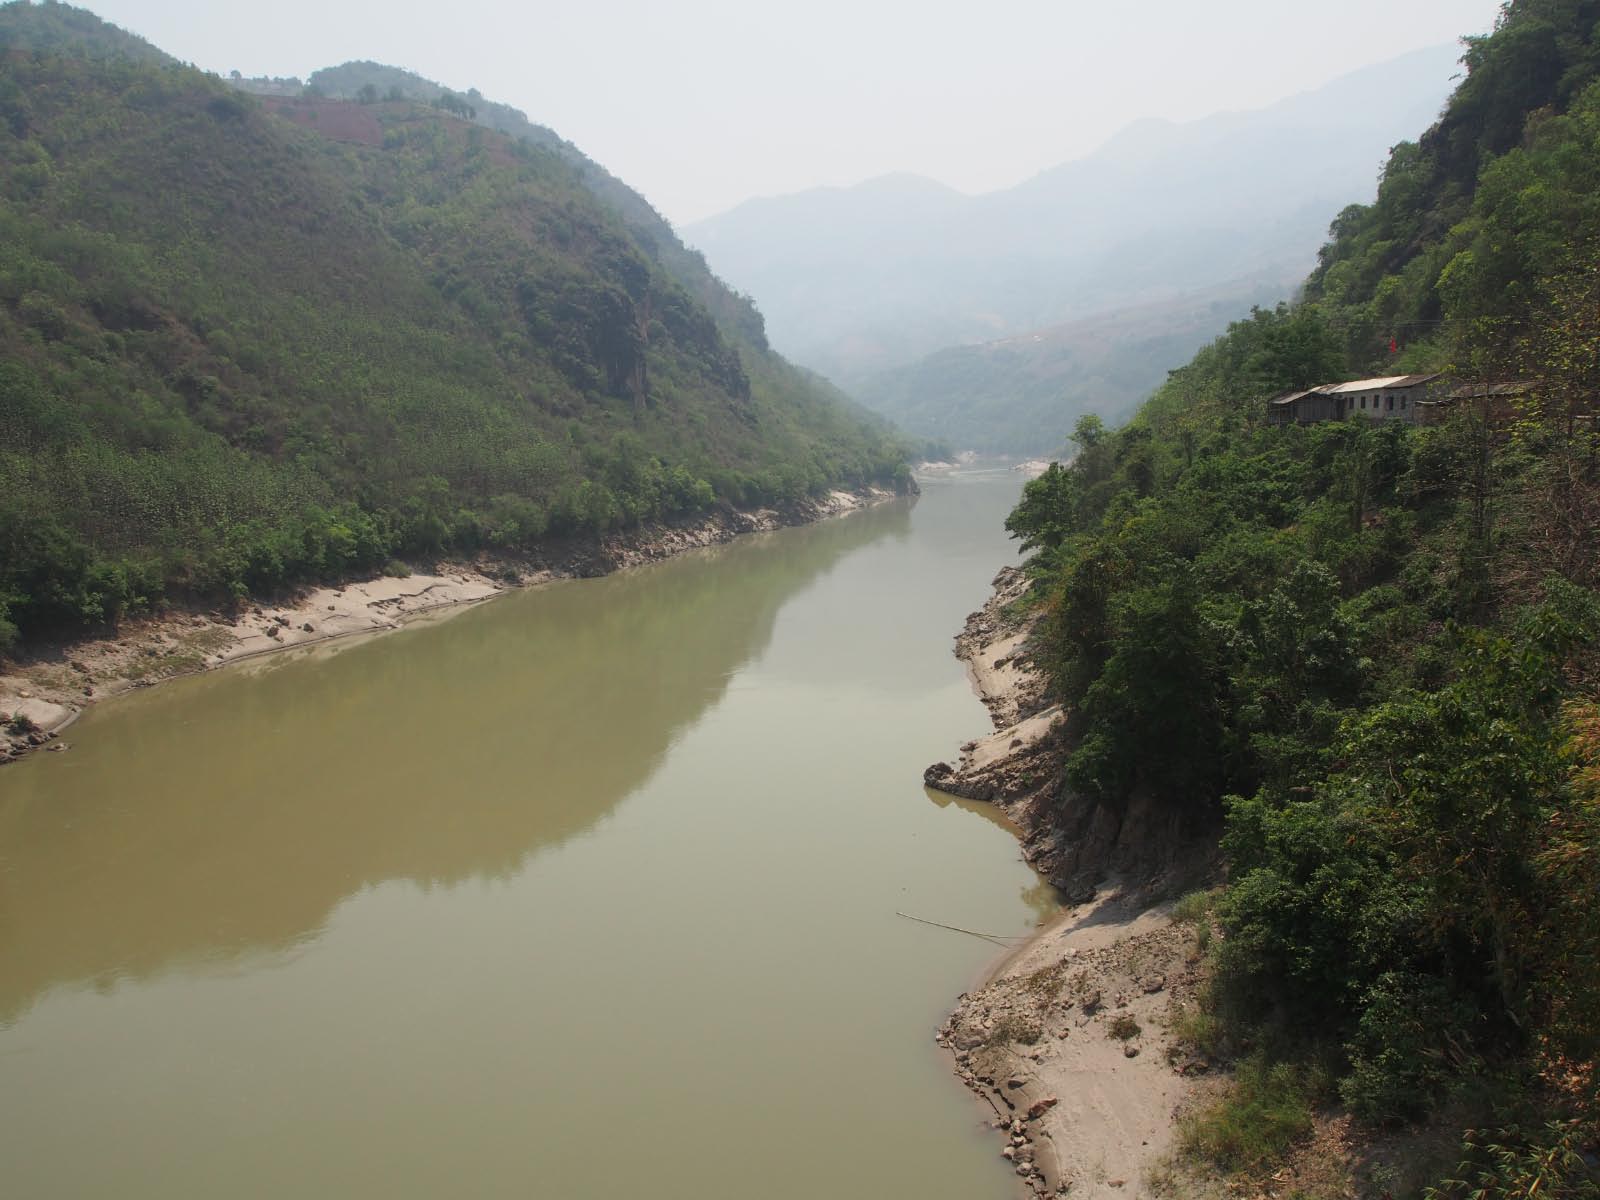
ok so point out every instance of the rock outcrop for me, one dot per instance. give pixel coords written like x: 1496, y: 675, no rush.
x: 1073, y: 841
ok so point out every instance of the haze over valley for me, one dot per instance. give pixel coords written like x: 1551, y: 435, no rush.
x: 1078, y: 289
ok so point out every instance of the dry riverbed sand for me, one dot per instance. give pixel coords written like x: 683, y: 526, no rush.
x: 1067, y: 1043
x: 1068, y: 1047
x: 39, y: 698
x: 41, y: 695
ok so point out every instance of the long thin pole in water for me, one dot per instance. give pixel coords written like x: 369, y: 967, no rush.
x: 999, y: 939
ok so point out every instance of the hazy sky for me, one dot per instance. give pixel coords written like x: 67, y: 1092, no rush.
x: 703, y: 103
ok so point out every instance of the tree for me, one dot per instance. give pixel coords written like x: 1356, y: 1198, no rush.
x: 1045, y: 517
x: 1089, y: 431
x: 1297, y: 350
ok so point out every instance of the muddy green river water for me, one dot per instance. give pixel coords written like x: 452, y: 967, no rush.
x: 589, y: 891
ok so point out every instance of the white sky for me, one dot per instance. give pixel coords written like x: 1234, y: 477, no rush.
x: 701, y: 104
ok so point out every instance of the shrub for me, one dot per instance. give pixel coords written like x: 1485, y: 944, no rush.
x: 1265, y: 1111
x: 1198, y: 1026
x: 1196, y: 907
x: 1514, y: 1164
x: 1015, y: 1027
x: 1403, y: 1056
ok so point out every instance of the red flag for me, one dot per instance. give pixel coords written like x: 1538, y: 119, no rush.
x: 1394, y: 346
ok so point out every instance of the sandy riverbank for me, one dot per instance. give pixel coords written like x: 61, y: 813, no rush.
x: 1067, y: 1041
x: 43, y: 692
x: 1068, y: 1046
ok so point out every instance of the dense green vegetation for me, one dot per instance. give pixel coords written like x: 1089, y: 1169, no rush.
x: 1487, y: 204
x: 56, y: 28
x: 366, y: 81
x: 1367, y: 653
x: 245, y: 343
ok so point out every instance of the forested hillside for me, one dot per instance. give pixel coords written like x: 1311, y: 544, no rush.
x: 1366, y: 655
x: 369, y: 81
x: 246, y: 342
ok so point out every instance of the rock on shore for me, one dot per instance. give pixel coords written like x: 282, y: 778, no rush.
x: 1018, y: 766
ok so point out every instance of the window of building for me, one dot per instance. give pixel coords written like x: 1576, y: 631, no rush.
x: 1389, y: 404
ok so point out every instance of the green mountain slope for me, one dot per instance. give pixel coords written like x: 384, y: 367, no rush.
x: 1365, y: 653
x: 51, y: 27
x: 1020, y: 396
x: 252, y: 341
x: 1487, y: 205
x: 734, y: 312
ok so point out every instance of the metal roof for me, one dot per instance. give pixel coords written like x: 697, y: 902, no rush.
x: 1292, y: 396
x: 1384, y: 383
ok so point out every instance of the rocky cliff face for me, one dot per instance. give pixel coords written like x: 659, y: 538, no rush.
x: 1074, y: 842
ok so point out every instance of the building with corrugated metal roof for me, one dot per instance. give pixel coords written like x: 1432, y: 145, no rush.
x: 1387, y: 398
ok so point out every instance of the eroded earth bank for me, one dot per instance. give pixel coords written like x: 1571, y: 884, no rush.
x: 1068, y: 1042
x: 45, y: 690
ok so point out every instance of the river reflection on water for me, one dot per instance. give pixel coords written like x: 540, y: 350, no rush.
x: 588, y: 889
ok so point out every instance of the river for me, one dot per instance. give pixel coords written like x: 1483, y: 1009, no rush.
x: 589, y: 891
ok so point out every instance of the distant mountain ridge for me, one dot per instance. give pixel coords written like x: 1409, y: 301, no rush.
x: 855, y: 281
